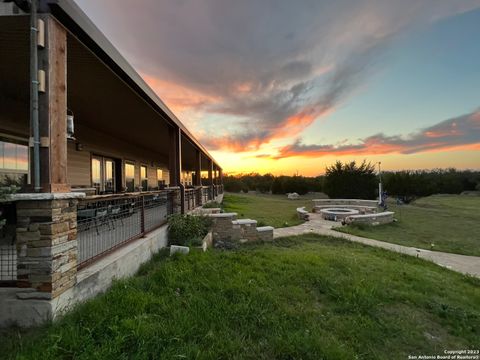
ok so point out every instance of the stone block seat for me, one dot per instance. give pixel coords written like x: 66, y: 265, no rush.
x: 303, y: 214
x: 371, y: 219
x: 265, y: 233
x: 227, y: 230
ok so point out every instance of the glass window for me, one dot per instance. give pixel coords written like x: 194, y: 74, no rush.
x: 109, y: 175
x: 160, y: 181
x: 144, y: 178
x: 97, y: 173
x: 10, y: 156
x: 130, y: 176
x: 13, y: 163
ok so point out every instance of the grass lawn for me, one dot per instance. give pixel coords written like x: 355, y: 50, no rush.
x: 450, y: 222
x: 306, y: 297
x: 273, y: 210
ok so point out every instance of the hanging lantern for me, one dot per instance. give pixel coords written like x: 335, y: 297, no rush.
x: 70, y: 126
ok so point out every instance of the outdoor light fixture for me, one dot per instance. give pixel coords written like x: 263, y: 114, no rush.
x: 70, y: 125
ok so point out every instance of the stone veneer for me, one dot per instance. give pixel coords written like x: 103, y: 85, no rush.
x: 46, y: 244
x: 228, y: 232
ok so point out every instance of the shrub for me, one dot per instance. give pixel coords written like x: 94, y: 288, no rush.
x: 187, y: 230
x: 4, y: 192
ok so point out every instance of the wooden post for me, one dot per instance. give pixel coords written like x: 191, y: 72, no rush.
x: 220, y: 173
x: 198, y: 168
x: 210, y: 178
x: 52, y: 59
x: 174, y: 157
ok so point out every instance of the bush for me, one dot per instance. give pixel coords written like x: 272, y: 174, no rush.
x: 5, y: 191
x: 187, y: 230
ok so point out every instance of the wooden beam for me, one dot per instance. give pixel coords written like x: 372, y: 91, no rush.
x: 198, y: 168
x: 53, y: 108
x: 175, y: 155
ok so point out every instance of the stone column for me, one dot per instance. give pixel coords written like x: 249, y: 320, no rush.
x: 176, y: 199
x: 46, y: 243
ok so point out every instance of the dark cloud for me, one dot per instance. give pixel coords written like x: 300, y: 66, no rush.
x: 463, y: 131
x: 274, y: 65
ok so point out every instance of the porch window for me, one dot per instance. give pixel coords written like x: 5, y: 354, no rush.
x: 160, y: 181
x: 144, y: 178
x: 97, y: 173
x: 109, y: 175
x: 13, y: 163
x: 130, y: 176
x: 103, y: 174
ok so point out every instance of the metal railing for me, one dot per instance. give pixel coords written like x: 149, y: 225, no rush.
x: 105, y: 223
x: 198, y: 196
x: 190, y: 202
x: 8, y: 248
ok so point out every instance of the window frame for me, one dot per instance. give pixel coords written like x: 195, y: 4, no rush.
x: 103, y: 161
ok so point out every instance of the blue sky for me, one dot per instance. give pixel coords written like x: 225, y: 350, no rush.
x: 427, y: 76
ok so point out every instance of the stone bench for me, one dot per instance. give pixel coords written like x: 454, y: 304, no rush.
x: 265, y: 233
x: 371, y: 219
x: 361, y: 208
x: 303, y: 214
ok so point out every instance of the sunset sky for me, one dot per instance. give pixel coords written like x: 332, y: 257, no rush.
x: 287, y: 86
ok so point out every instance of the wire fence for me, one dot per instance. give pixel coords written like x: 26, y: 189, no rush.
x: 8, y: 248
x: 104, y: 224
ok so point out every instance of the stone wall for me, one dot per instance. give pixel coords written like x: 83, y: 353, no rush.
x: 335, y: 202
x: 46, y: 246
x: 228, y: 232
x: 371, y: 219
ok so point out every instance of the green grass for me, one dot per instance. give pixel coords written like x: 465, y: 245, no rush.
x: 450, y: 222
x: 306, y: 297
x: 272, y: 210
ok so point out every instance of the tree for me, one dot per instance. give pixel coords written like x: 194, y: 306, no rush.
x: 351, y: 181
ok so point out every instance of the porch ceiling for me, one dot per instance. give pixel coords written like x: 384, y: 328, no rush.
x: 14, y: 70
x: 100, y: 100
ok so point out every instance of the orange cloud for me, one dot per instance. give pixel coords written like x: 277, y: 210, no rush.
x: 462, y: 133
x: 178, y: 98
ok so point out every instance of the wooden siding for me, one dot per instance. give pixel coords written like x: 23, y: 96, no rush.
x: 95, y: 143
x: 78, y: 167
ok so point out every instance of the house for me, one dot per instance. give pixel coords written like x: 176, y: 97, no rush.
x: 101, y: 163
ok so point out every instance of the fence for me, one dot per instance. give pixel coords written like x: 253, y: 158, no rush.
x: 8, y: 248
x: 106, y: 223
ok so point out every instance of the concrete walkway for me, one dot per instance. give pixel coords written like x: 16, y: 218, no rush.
x: 461, y: 263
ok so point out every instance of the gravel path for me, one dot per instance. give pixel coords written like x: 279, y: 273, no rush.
x: 461, y: 263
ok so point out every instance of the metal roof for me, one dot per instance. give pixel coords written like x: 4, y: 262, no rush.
x: 78, y: 23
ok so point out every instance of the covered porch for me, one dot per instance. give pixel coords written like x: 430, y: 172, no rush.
x: 114, y: 162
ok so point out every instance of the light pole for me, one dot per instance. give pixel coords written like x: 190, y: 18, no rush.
x: 380, y: 183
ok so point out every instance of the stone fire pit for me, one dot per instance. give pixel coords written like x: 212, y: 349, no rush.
x: 337, y: 214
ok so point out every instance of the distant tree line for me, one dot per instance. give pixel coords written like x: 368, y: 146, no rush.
x: 275, y: 184
x: 360, y: 180
x: 417, y: 183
